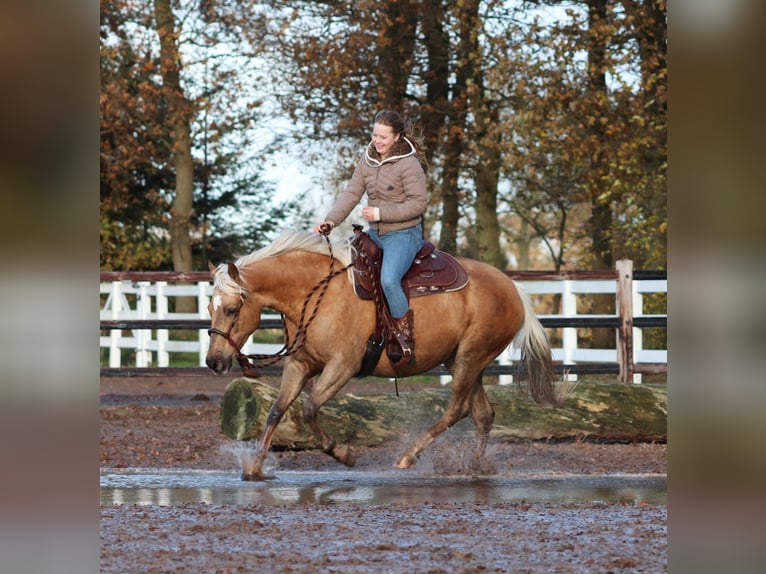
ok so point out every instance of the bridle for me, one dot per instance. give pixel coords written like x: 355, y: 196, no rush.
x: 227, y: 335
x: 299, y: 341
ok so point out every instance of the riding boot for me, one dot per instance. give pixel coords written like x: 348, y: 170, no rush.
x: 405, y: 329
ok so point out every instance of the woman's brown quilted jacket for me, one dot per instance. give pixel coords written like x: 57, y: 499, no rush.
x: 395, y: 185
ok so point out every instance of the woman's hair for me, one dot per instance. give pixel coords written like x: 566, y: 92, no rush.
x: 401, y: 126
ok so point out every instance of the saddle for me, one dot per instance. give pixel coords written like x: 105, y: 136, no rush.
x: 431, y: 272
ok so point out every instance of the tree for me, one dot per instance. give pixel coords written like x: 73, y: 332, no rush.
x: 547, y: 112
x: 179, y: 167
x: 134, y: 161
x: 180, y: 111
x: 589, y: 138
x: 351, y: 59
x: 609, y: 127
x: 646, y: 240
x: 436, y: 76
x: 485, y: 136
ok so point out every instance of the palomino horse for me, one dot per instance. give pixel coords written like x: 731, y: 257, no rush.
x: 465, y: 330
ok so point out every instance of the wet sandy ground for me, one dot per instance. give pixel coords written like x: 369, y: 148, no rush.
x: 159, y: 424
x: 354, y: 538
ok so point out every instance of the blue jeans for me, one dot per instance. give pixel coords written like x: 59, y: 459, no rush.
x: 399, y: 250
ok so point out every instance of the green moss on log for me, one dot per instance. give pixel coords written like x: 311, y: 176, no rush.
x: 608, y: 411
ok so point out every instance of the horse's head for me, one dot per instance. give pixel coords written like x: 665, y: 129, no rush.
x: 232, y: 318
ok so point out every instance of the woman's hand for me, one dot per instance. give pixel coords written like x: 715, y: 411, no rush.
x: 371, y: 213
x: 324, y: 228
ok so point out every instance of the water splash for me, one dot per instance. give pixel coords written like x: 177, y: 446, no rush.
x: 454, y: 456
x: 249, y: 455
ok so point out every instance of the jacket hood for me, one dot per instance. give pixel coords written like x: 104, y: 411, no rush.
x: 401, y: 149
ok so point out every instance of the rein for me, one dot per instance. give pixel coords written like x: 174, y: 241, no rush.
x: 245, y: 361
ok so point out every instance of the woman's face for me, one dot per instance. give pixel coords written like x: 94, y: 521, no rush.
x: 383, y: 138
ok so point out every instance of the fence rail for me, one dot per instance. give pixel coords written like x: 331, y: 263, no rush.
x: 138, y: 302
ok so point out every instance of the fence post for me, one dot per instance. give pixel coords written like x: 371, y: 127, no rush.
x: 625, y: 313
x: 143, y: 336
x: 163, y: 336
x: 505, y: 360
x: 115, y: 351
x: 202, y: 303
x: 638, y: 334
x: 568, y: 309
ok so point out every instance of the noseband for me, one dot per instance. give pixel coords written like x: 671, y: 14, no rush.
x: 242, y: 359
x: 248, y: 368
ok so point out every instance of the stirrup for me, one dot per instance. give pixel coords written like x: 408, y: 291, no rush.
x: 406, y: 356
x: 404, y: 344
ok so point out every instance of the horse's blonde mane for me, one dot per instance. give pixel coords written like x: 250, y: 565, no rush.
x: 288, y: 240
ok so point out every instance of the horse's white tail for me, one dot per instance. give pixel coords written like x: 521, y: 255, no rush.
x: 536, y: 364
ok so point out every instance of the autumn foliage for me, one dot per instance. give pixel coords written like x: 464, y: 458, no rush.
x: 545, y: 121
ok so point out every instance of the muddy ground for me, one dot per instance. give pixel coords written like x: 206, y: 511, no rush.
x: 163, y: 423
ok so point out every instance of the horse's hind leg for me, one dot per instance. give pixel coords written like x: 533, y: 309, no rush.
x: 459, y: 406
x: 330, y: 383
x: 483, y: 415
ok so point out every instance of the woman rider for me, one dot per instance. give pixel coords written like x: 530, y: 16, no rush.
x: 391, y: 174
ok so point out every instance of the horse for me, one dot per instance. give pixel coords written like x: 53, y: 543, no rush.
x: 465, y: 330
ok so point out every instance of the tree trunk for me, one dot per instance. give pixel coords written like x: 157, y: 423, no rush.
x: 487, y: 226
x: 488, y: 161
x: 179, y: 114
x: 649, y: 19
x: 600, y: 200
x: 486, y: 179
x: 458, y: 112
x: 395, y: 50
x: 450, y: 192
x: 593, y: 410
x: 436, y: 107
x: 523, y: 243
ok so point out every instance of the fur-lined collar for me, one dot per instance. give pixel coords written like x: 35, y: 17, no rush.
x: 402, y: 148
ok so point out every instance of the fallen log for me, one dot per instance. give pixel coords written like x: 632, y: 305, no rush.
x: 604, y: 411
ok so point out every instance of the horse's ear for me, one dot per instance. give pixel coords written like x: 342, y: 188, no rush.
x: 233, y: 272
x: 212, y: 267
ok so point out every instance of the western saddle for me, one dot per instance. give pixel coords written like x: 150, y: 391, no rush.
x: 431, y: 272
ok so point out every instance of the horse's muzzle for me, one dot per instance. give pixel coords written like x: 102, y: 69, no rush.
x: 218, y: 364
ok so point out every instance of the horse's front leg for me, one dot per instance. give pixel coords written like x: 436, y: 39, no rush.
x: 294, y: 377
x: 331, y: 381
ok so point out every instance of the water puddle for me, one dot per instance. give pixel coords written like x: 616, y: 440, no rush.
x: 170, y: 488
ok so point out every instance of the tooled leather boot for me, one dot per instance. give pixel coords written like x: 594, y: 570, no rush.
x: 405, y: 330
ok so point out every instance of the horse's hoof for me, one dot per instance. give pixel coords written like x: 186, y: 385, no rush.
x: 406, y: 461
x: 255, y: 473
x: 255, y: 476
x: 343, y: 454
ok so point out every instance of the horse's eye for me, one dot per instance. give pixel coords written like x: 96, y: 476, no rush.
x: 230, y: 311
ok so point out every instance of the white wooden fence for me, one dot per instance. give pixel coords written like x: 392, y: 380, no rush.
x: 131, y: 302
x: 149, y: 301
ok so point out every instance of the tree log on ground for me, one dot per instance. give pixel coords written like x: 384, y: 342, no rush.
x: 602, y: 411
